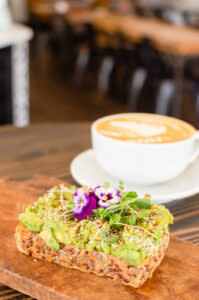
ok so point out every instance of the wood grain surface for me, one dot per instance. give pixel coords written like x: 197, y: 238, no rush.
x: 79, y: 16
x: 166, y: 37
x: 176, y: 278
x: 49, y: 149
x: 169, y: 38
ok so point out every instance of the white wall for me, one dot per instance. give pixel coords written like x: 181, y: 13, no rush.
x: 187, y: 5
x: 19, y: 9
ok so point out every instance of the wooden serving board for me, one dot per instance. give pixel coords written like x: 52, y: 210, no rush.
x: 177, y: 277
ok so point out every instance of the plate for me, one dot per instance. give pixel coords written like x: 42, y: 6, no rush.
x: 86, y: 171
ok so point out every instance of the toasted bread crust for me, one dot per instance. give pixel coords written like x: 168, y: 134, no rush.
x: 96, y: 262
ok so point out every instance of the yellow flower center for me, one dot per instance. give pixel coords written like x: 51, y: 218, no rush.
x: 106, y: 198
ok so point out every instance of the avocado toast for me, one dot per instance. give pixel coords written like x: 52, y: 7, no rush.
x: 102, y: 230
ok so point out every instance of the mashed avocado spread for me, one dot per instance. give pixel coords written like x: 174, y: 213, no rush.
x: 104, y: 218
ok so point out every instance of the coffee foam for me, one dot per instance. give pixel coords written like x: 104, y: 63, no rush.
x: 139, y: 129
x: 145, y: 128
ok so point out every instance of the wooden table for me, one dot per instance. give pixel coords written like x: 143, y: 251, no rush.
x: 74, y: 15
x: 44, y: 11
x: 166, y: 37
x: 110, y: 23
x: 191, y: 6
x: 79, y: 16
x: 49, y: 149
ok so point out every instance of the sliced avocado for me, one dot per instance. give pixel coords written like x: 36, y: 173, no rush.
x: 29, y: 209
x: 60, y: 233
x: 131, y: 256
x: 68, y: 195
x: 80, y: 244
x: 91, y: 246
x: 53, y: 203
x: 105, y: 248
x: 144, y: 213
x: 48, y: 236
x: 129, y: 244
x: 31, y: 221
x: 112, y: 239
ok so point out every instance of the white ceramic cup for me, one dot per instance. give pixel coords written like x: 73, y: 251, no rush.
x: 143, y: 164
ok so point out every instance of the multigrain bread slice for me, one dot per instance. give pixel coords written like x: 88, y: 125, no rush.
x: 109, y: 266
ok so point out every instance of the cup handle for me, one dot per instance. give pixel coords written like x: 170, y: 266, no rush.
x: 196, y: 151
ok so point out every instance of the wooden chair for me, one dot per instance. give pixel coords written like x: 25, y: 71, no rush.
x: 177, y: 44
x: 127, y: 56
x: 107, y: 28
x: 41, y: 13
x: 81, y: 22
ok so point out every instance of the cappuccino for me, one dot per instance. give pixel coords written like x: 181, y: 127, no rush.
x: 144, y: 128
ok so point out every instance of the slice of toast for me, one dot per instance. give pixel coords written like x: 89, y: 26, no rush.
x: 109, y: 266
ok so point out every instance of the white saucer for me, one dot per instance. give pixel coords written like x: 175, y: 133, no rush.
x: 86, y: 171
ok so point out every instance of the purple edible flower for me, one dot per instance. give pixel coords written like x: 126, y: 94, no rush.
x: 85, y: 202
x: 107, y: 196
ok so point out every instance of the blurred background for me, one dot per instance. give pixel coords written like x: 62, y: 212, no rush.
x: 78, y: 60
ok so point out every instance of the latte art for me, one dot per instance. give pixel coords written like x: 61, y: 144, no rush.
x: 145, y: 128
x: 139, y: 129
